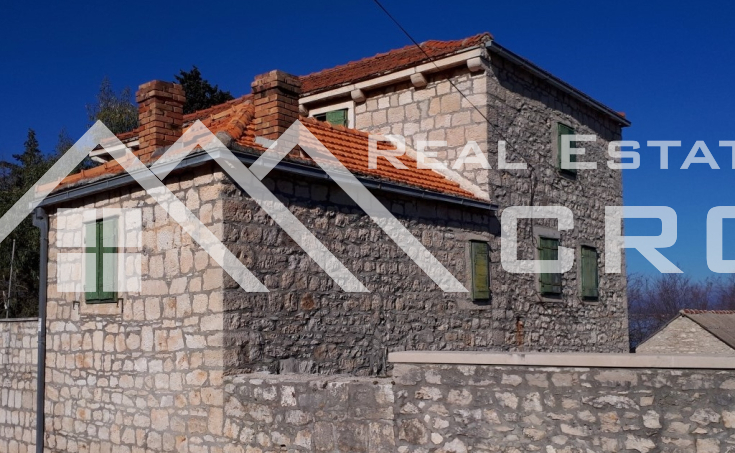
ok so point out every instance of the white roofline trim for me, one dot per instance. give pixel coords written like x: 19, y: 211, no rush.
x: 399, y: 76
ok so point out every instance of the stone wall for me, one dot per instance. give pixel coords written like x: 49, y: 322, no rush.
x: 299, y: 413
x: 145, y: 375
x: 492, y: 408
x: 684, y: 336
x: 18, y: 360
x: 436, y: 112
x: 522, y: 110
x: 306, y: 323
x: 616, y: 404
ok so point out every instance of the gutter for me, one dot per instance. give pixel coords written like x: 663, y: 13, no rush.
x: 247, y: 157
x: 559, y: 84
x: 40, y: 220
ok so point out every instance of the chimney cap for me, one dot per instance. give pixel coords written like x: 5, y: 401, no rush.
x: 276, y: 78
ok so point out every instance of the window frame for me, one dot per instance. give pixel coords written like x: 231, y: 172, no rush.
x: 100, y: 251
x: 348, y: 105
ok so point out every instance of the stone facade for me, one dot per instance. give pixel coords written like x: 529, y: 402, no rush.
x: 307, y: 323
x: 684, y: 336
x: 436, y: 112
x: 524, y: 111
x: 145, y: 375
x: 18, y: 364
x: 161, y: 370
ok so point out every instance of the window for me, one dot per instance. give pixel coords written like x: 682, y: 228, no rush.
x: 548, y: 249
x: 590, y: 276
x: 100, y: 256
x: 563, y: 129
x: 335, y: 117
x: 480, y: 262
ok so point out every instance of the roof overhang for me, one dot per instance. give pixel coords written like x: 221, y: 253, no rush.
x: 248, y: 156
x: 470, y: 58
x: 402, y: 75
x: 559, y: 84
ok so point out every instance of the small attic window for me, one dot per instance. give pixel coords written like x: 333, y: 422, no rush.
x: 334, y: 117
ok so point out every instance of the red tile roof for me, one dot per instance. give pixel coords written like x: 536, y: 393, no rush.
x: 388, y: 62
x: 349, y: 146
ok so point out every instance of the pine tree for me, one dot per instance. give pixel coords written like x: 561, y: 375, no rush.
x: 15, y: 179
x: 200, y: 94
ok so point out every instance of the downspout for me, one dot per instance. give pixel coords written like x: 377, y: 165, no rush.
x: 40, y: 220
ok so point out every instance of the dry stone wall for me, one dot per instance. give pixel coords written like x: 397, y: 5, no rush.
x: 300, y: 413
x: 18, y: 364
x: 485, y: 408
x: 306, y: 323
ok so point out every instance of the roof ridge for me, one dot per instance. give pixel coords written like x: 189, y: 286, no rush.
x: 696, y: 311
x: 411, y: 57
x: 204, y: 112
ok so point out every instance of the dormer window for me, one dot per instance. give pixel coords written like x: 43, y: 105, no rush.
x: 337, y: 114
x: 334, y: 117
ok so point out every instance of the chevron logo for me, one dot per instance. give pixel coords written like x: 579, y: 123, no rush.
x: 249, y: 180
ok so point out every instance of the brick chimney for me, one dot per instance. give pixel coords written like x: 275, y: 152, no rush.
x: 160, y: 113
x: 276, y: 101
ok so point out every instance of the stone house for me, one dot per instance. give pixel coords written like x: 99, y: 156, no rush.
x: 148, y: 370
x: 702, y: 332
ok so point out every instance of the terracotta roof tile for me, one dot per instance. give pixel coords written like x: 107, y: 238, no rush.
x: 385, y: 63
x: 349, y: 146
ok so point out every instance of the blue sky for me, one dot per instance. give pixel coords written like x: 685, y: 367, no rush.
x: 668, y: 65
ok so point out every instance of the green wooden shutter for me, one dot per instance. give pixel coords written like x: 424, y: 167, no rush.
x: 107, y: 275
x: 337, y: 117
x: 549, y: 250
x: 91, y: 289
x: 480, y: 263
x: 563, y: 129
x: 590, y: 275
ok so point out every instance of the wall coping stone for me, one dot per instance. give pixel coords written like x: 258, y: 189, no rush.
x: 19, y: 320
x: 576, y: 360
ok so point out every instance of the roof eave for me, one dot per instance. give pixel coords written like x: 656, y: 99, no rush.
x: 496, y: 48
x: 249, y: 155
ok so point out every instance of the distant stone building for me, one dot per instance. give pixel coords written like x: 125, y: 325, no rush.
x: 150, y: 371
x: 704, y: 332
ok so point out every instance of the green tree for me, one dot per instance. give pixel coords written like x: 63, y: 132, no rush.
x: 63, y: 143
x: 200, y: 94
x: 15, y: 179
x: 117, y: 111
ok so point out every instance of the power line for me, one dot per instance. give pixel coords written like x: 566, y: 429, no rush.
x: 532, y: 174
x: 499, y: 132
